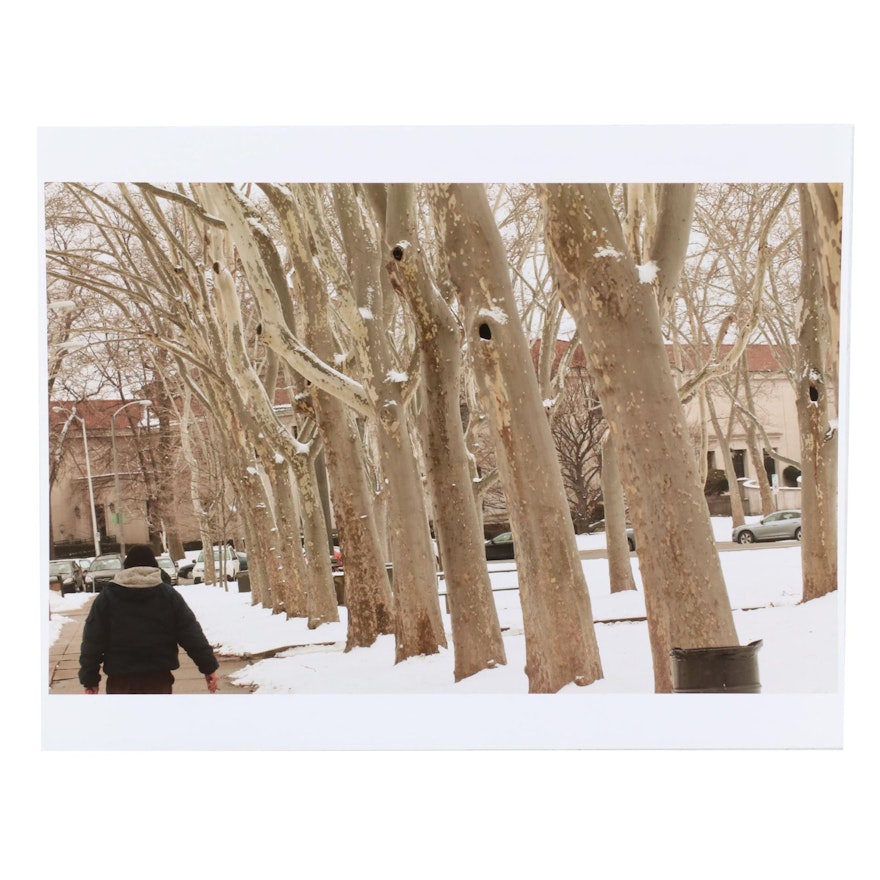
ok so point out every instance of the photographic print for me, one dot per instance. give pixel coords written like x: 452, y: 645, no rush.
x: 445, y: 438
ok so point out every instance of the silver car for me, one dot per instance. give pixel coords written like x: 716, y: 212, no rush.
x: 784, y: 525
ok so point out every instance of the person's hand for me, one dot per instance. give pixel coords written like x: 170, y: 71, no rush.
x: 212, y: 681
x: 91, y: 690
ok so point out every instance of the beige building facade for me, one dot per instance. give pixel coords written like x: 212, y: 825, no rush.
x: 97, y: 452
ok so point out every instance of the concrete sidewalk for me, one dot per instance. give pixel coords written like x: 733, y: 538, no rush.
x: 64, y: 664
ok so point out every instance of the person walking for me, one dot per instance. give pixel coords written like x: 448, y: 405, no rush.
x: 134, y: 628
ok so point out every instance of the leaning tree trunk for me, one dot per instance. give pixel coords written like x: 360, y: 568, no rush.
x: 367, y: 591
x: 619, y: 567
x: 818, y: 438
x: 618, y: 319
x: 826, y: 209
x: 476, y: 632
x: 561, y: 645
x: 767, y: 501
x: 322, y: 607
x: 418, y: 621
x: 286, y: 534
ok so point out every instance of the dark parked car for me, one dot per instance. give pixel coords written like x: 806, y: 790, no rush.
x: 784, y: 525
x: 242, y: 562
x: 500, y: 547
x: 102, y: 571
x: 66, y: 576
x: 185, y: 567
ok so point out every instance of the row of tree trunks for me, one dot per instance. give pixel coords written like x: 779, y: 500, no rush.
x: 418, y: 622
x: 367, y: 590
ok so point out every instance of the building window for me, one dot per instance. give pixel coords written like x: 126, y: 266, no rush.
x: 739, y: 462
x: 769, y: 465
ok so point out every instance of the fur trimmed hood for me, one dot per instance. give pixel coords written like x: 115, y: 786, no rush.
x: 139, y: 577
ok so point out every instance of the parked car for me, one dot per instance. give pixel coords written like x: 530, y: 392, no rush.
x: 168, y: 566
x: 224, y: 557
x: 783, y: 525
x: 500, y: 547
x: 66, y: 576
x: 336, y: 560
x: 102, y: 570
x: 242, y: 562
x: 185, y: 567
x: 631, y: 539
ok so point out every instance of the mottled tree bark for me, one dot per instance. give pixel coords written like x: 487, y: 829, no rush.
x: 367, y: 591
x: 618, y: 321
x: 561, y: 644
x: 475, y: 629
x: 418, y: 622
x: 619, y: 566
x: 814, y: 399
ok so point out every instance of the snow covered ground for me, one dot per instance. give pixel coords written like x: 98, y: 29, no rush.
x: 800, y: 653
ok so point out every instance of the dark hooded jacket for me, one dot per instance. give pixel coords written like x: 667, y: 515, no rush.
x: 135, y: 626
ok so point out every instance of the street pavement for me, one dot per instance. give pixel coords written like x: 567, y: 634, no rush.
x: 64, y: 664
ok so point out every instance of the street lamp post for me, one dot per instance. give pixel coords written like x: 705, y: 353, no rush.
x: 96, y: 537
x: 119, y: 518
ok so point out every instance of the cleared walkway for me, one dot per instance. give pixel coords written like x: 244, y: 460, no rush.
x: 64, y: 664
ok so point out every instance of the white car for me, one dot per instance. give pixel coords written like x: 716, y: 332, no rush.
x: 222, y: 555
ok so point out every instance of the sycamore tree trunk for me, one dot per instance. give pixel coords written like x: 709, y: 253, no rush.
x: 476, y: 632
x: 618, y: 318
x: 270, y: 588
x: 815, y: 394
x: 256, y: 552
x: 767, y: 500
x: 266, y: 586
x: 322, y: 607
x: 418, y: 621
x: 826, y: 211
x: 367, y: 591
x: 286, y: 534
x: 561, y: 645
x: 619, y: 567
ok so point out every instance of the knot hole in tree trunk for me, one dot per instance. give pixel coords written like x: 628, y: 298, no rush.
x: 485, y: 331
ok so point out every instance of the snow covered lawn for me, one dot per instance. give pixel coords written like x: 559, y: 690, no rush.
x: 799, y: 653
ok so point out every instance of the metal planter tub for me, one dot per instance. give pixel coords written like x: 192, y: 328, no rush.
x: 727, y: 670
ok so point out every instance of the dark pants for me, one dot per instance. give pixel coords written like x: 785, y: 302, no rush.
x: 144, y: 683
